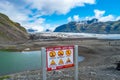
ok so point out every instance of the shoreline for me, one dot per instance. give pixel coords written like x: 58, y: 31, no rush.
x: 33, y: 45
x: 100, y: 56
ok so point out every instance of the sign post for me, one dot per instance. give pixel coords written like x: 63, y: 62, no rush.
x: 76, y: 61
x: 59, y: 57
x: 43, y: 63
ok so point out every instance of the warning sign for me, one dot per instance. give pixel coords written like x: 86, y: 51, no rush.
x: 59, y: 57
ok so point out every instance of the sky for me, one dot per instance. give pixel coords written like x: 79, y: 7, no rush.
x: 40, y: 15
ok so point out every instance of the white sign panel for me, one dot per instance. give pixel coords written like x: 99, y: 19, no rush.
x: 59, y: 57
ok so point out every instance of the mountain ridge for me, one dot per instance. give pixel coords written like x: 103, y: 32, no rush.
x: 11, y: 32
x: 91, y: 26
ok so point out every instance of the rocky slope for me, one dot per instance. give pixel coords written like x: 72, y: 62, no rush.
x: 91, y: 26
x: 11, y: 32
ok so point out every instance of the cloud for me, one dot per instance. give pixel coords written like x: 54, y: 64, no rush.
x: 88, y: 17
x: 73, y: 18
x: 69, y: 19
x: 118, y: 18
x: 99, y: 14
x: 36, y: 25
x: 24, y: 13
x: 57, y: 6
x: 76, y: 18
x: 29, y: 12
x: 39, y: 25
x: 15, y: 14
x: 107, y: 18
x: 20, y: 15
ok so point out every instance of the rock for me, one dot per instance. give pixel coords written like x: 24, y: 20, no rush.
x: 26, y: 49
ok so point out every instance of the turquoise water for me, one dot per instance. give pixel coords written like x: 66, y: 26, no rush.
x: 12, y: 62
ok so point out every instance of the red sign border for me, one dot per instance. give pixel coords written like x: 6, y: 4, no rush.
x: 59, y: 48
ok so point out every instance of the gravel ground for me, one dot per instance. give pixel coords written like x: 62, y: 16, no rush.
x: 100, y: 56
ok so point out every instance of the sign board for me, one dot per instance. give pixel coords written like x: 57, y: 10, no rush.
x: 59, y: 57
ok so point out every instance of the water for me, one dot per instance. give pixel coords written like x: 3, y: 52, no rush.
x: 12, y: 62
x: 80, y: 58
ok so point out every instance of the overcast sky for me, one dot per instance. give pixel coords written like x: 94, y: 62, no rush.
x: 48, y: 14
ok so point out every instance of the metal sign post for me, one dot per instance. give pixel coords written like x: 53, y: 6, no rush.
x: 54, y: 58
x: 76, y: 62
x: 43, y: 63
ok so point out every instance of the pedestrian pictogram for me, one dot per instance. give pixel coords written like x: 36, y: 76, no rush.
x: 68, y: 60
x: 60, y: 53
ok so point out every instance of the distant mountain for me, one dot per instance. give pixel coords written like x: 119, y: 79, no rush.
x: 48, y: 30
x: 10, y: 31
x: 91, y: 26
x: 31, y: 30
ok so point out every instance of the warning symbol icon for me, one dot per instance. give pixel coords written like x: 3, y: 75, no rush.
x: 52, y: 62
x: 61, y: 62
x: 60, y: 53
x: 68, y: 60
x: 52, y: 54
x: 68, y: 52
